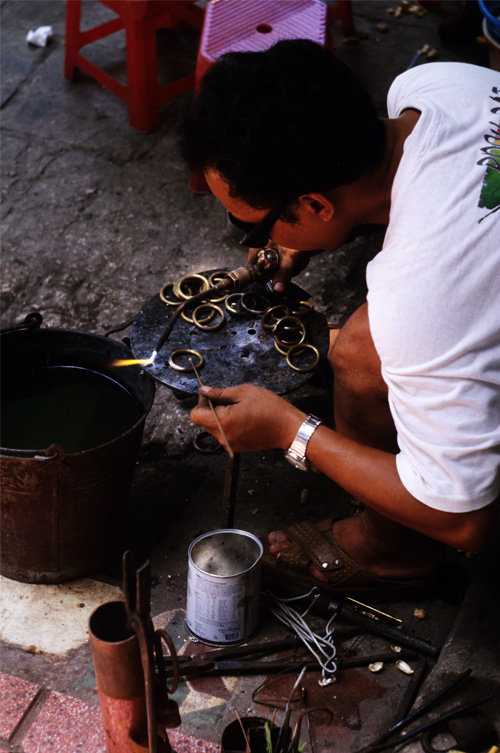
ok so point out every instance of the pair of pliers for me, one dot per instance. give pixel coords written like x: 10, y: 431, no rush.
x: 230, y: 660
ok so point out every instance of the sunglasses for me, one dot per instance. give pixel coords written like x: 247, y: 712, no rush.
x: 255, y: 234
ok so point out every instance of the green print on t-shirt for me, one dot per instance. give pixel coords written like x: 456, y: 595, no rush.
x: 490, y: 190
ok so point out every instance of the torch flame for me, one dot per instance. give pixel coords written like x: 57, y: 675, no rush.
x: 131, y: 362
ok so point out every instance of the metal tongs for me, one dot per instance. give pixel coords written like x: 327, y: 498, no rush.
x: 162, y: 712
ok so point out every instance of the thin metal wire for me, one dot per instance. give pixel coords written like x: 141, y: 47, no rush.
x: 322, y: 647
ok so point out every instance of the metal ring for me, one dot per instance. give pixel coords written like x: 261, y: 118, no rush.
x: 284, y: 324
x: 185, y: 351
x: 297, y: 349
x: 163, y: 295
x: 302, y: 309
x: 202, y: 282
x: 281, y: 350
x: 211, y: 447
x: 201, y: 323
x: 190, y: 320
x: 293, y: 337
x: 230, y: 307
x: 271, y: 314
x: 254, y: 309
x: 217, y: 276
x: 214, y: 278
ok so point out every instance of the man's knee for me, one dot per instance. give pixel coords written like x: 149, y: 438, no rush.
x: 353, y: 357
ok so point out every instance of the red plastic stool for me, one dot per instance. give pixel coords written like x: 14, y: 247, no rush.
x: 241, y: 26
x: 342, y: 11
x: 140, y: 19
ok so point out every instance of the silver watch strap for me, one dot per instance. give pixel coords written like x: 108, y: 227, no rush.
x: 299, y: 444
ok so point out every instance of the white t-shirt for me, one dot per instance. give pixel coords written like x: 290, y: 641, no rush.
x: 434, y: 288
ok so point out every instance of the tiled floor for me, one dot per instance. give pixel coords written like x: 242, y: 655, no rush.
x: 34, y: 720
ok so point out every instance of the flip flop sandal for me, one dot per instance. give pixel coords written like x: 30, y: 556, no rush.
x: 315, y: 544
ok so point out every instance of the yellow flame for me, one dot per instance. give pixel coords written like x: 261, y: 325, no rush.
x: 131, y: 362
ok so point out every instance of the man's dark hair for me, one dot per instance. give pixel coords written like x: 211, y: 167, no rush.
x: 280, y: 123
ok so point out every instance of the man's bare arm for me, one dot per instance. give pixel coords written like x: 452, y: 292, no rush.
x: 256, y: 419
x: 371, y: 476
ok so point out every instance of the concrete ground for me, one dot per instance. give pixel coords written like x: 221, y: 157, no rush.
x: 96, y: 218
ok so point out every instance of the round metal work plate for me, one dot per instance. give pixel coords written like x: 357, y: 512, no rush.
x: 241, y: 351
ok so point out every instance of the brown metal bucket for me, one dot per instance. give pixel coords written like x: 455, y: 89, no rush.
x: 62, y: 513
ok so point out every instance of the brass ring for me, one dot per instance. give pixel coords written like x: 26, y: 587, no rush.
x: 272, y: 314
x: 201, y: 323
x: 254, y: 309
x: 163, y: 295
x: 281, y: 350
x: 214, y: 278
x: 298, y: 349
x: 302, y: 309
x: 185, y: 351
x: 229, y: 304
x: 200, y: 280
x: 190, y: 320
x: 284, y: 324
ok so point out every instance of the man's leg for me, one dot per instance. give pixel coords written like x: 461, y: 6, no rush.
x: 362, y: 413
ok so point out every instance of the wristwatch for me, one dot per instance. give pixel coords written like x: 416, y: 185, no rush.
x: 296, y: 453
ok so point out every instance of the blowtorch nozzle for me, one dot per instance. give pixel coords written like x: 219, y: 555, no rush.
x: 267, y: 261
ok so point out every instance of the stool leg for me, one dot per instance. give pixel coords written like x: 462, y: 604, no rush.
x: 343, y: 12
x: 198, y: 184
x: 142, y: 76
x: 73, y: 15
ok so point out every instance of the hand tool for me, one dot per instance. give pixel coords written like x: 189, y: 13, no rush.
x: 237, y: 661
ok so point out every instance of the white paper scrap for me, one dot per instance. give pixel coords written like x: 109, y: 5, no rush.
x: 40, y: 36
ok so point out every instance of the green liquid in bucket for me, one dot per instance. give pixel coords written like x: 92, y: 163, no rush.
x: 69, y: 406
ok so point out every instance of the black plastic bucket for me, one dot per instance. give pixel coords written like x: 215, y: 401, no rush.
x: 62, y: 511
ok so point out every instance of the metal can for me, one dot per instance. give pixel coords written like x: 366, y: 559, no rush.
x: 223, y: 592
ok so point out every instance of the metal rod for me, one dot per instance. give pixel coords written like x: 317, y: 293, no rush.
x: 303, y: 700
x: 433, y: 701
x: 223, y: 434
x: 178, y: 311
x: 230, y: 487
x: 457, y: 711
x: 415, y: 59
x: 410, y: 694
x: 283, y: 732
x: 372, y: 609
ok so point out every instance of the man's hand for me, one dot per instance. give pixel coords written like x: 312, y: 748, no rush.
x: 252, y: 418
x: 292, y: 263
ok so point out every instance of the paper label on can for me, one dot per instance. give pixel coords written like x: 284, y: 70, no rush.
x: 215, y: 609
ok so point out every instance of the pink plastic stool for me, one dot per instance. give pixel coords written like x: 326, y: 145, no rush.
x: 140, y: 19
x: 243, y: 26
